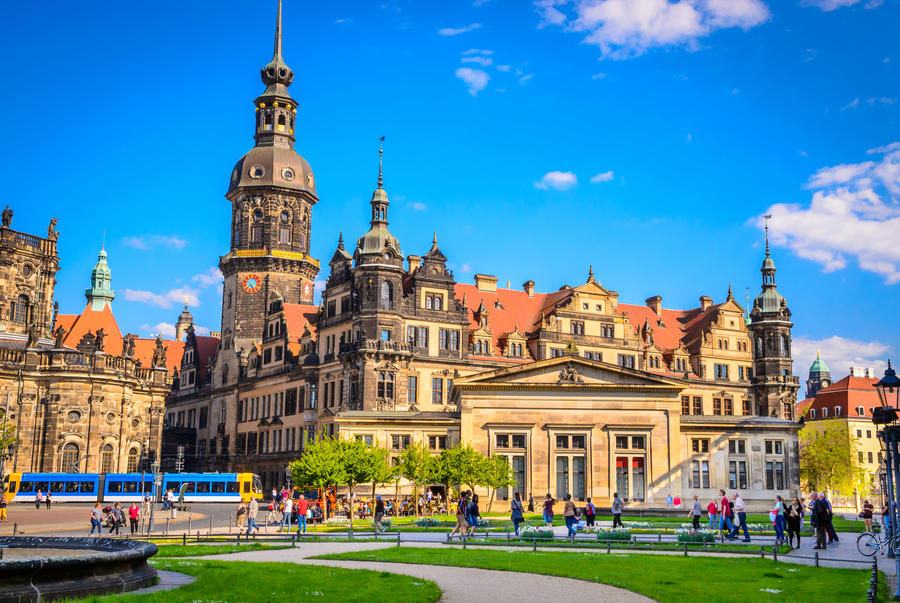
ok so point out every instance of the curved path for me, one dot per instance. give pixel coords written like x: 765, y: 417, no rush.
x: 458, y: 584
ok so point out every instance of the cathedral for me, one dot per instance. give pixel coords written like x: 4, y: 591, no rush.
x: 584, y: 393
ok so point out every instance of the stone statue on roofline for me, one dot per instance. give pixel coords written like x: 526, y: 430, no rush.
x: 6, y: 216
x: 159, y: 353
x: 569, y: 374
x: 34, y: 333
x: 128, y: 345
x: 100, y: 337
x: 59, y: 336
x: 51, y: 230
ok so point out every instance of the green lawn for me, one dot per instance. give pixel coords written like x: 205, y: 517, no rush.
x: 197, y: 550
x: 752, y: 549
x: 660, y: 577
x: 232, y: 581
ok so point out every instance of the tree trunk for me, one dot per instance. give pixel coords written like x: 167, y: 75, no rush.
x: 350, y: 500
x: 493, y: 491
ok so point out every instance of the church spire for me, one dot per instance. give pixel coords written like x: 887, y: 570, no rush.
x: 275, y: 109
x: 379, y: 197
x: 100, y: 293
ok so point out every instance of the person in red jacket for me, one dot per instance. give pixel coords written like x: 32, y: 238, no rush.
x: 713, y: 511
x: 134, y: 513
x: 302, y: 507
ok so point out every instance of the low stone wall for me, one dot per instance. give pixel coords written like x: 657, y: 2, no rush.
x: 111, y: 566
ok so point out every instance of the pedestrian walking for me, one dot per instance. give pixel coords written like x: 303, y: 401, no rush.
x: 47, y: 500
x: 740, y: 519
x: 117, y: 518
x: 473, y: 514
x: 677, y: 502
x: 795, y: 513
x: 96, y: 519
x: 38, y: 499
x: 548, y: 510
x: 3, y: 504
x: 239, y: 515
x: 696, y: 512
x: 461, y: 523
x: 302, y: 511
x: 379, y: 514
x: 778, y: 511
x: 517, y: 512
x: 713, y: 511
x: 590, y: 513
x: 669, y: 502
x: 820, y: 512
x: 829, y: 520
x: 867, y: 511
x: 287, y: 513
x: 252, y: 511
x: 530, y: 503
x: 134, y: 515
x: 617, y: 506
x: 724, y: 513
x: 570, y: 513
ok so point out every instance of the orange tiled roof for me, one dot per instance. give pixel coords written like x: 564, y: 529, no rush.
x: 848, y: 394
x: 90, y: 321
x: 297, y: 316
x: 145, y: 346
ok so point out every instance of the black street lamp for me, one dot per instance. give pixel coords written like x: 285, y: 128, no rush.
x: 889, y: 393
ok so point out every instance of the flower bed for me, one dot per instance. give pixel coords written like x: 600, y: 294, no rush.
x: 696, y: 535
x: 638, y: 524
x: 339, y: 521
x: 613, y: 534
x: 532, y: 532
x: 428, y: 522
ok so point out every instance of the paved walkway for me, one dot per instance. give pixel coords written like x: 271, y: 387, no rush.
x: 458, y: 584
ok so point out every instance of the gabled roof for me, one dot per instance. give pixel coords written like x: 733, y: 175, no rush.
x: 297, y: 317
x: 145, y: 346
x: 90, y: 321
x: 848, y: 394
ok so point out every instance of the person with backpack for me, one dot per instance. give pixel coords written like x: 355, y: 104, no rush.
x: 548, y: 510
x: 517, y: 512
x: 461, y: 523
x: 252, y: 512
x: 47, y: 500
x: 379, y: 514
x: 617, y: 506
x: 589, y: 513
x: 570, y: 513
x: 473, y: 513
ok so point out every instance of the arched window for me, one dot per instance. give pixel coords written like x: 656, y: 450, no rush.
x: 106, y: 458
x: 225, y: 375
x: 387, y: 295
x: 860, y: 411
x: 281, y: 123
x: 837, y: 411
x: 759, y: 347
x: 68, y: 458
x: 133, y: 456
x: 812, y: 413
x: 268, y: 121
x: 18, y: 311
x: 785, y: 346
x: 825, y: 413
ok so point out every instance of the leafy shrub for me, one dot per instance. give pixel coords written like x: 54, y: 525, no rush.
x: 428, y: 522
x: 617, y: 534
x: 532, y: 532
x: 697, y: 535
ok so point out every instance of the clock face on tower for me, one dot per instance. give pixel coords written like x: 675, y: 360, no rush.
x: 251, y: 283
x: 307, y: 290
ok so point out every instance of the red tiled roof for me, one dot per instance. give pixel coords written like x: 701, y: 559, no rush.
x: 802, y: 406
x: 297, y: 316
x: 145, y: 346
x: 90, y: 321
x: 668, y: 336
x: 848, y: 394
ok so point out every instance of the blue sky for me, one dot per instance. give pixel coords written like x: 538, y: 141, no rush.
x: 645, y: 137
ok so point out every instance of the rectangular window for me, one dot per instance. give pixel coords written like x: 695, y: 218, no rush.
x: 774, y: 447
x: 637, y: 442
x: 443, y: 338
x: 626, y: 361
x: 700, y: 446
x: 385, y: 334
x: 695, y: 474
x: 622, y: 476
x: 423, y: 337
x: 578, y: 442
x: 437, y: 442
x: 562, y: 441
x: 745, y: 406
x: 621, y: 441
x: 685, y: 405
x: 871, y: 459
x: 412, y: 389
x: 704, y: 473
x: 454, y: 340
x: 518, y: 440
x: 555, y: 352
x: 502, y: 440
x: 729, y: 406
x: 518, y: 474
x: 285, y: 235
x: 400, y: 442
x: 698, y: 405
x: 637, y: 478
x: 411, y: 335
x: 578, y: 477
x: 437, y: 390
x: 717, y: 406
x: 577, y: 327
x: 737, y: 446
x: 860, y: 456
x: 562, y: 476
x: 774, y: 475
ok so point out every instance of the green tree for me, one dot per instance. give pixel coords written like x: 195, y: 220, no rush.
x: 497, y: 474
x: 828, y: 457
x: 414, y: 461
x: 358, y: 464
x: 382, y: 470
x: 459, y: 466
x: 320, y: 465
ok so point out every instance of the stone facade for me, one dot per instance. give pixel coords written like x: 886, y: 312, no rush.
x: 398, y: 351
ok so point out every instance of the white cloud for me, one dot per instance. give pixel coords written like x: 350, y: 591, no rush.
x: 342, y: 20
x: 475, y: 79
x: 467, y: 267
x: 851, y: 105
x: 735, y: 91
x: 505, y: 68
x: 853, y: 214
x: 803, y: 154
x: 525, y: 78
x: 146, y: 242
x: 602, y: 177
x: 455, y: 31
x: 213, y: 276
x: 628, y: 28
x: 557, y: 180
x: 598, y: 76
x: 477, y: 51
x: 839, y: 353
x: 483, y: 61
x: 829, y: 5
x: 165, y: 329
x: 417, y: 205
x: 881, y: 100
x: 688, y: 138
x: 166, y: 299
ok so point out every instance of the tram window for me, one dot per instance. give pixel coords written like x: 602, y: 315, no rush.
x: 218, y: 487
x: 190, y: 488
x: 72, y: 487
x: 232, y: 488
x: 173, y: 486
x: 131, y: 487
x: 12, y: 486
x: 87, y: 487
x: 114, y: 486
x: 26, y: 486
x: 203, y: 487
x: 42, y: 486
x: 246, y: 487
x: 148, y: 486
x: 57, y: 487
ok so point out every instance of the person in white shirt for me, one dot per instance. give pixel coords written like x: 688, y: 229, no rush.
x: 740, y: 510
x: 287, y: 515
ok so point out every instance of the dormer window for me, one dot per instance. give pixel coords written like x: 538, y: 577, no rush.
x: 825, y: 413
x: 860, y: 411
x: 812, y: 413
x: 837, y: 411
x: 434, y: 301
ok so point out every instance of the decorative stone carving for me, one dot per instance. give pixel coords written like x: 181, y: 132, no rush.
x: 569, y: 374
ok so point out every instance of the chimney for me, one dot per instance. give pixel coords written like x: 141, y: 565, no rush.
x: 655, y: 304
x: 529, y: 288
x: 485, y: 282
x: 414, y: 262
x: 705, y: 302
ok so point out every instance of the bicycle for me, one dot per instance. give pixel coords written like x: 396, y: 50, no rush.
x: 868, y: 544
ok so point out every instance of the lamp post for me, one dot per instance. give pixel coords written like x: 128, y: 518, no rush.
x: 889, y: 394
x: 154, y: 467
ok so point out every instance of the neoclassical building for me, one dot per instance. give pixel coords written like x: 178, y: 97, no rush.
x: 82, y: 396
x: 583, y: 392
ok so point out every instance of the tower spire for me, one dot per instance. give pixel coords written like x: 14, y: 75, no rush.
x: 277, y: 54
x: 767, y: 217
x: 380, y: 162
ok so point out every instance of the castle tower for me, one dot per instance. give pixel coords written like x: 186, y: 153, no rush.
x: 272, y: 191
x: 100, y: 295
x: 819, y: 377
x: 185, y: 320
x: 774, y: 385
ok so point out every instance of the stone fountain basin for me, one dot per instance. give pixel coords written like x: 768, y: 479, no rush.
x: 35, y: 568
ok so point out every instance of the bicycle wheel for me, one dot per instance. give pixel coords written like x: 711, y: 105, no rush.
x: 867, y: 544
x: 893, y: 544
